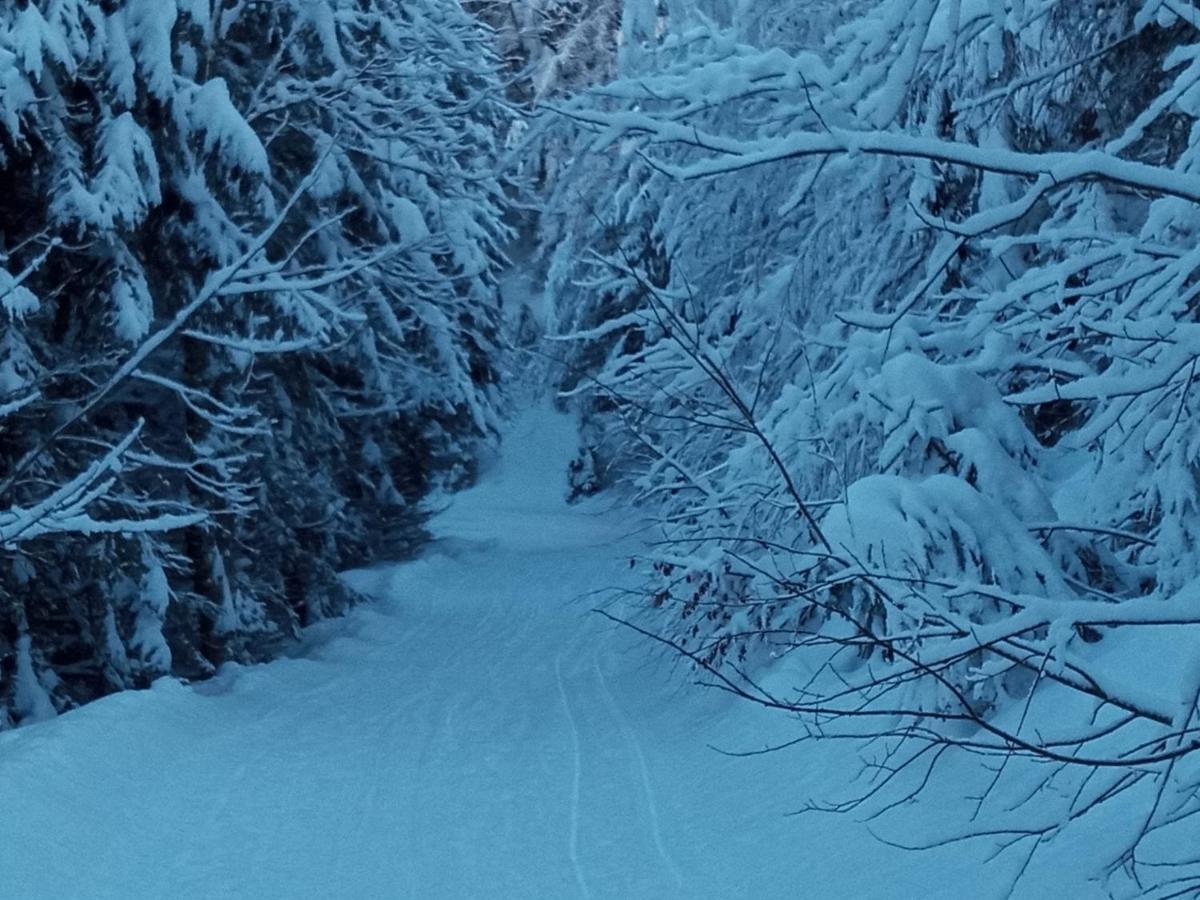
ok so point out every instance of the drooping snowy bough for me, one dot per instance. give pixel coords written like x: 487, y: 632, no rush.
x: 892, y: 319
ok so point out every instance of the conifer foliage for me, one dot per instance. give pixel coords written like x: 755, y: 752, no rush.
x: 248, y: 320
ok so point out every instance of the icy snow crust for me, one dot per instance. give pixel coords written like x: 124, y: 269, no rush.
x: 476, y: 733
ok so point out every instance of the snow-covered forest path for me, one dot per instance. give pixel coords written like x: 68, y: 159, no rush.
x: 475, y: 733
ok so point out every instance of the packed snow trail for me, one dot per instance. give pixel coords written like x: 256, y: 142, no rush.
x: 475, y: 733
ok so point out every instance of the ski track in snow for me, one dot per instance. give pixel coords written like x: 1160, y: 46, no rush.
x: 576, y: 777
x: 643, y: 770
x: 442, y: 742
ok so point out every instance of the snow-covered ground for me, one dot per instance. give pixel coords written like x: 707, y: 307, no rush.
x: 476, y: 733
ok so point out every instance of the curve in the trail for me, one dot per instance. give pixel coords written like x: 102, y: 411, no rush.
x: 474, y: 733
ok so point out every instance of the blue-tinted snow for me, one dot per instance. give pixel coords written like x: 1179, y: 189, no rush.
x: 475, y: 733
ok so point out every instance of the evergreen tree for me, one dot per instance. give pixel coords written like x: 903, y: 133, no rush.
x: 249, y: 318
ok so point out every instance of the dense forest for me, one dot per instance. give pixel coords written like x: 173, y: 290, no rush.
x: 881, y: 311
x: 249, y: 319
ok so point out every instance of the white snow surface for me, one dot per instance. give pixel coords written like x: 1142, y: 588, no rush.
x: 476, y: 732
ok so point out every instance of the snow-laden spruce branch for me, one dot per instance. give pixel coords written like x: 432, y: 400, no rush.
x: 215, y: 286
x: 62, y: 510
x: 65, y: 510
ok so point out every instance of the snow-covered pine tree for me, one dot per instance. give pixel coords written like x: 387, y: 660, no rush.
x: 248, y: 318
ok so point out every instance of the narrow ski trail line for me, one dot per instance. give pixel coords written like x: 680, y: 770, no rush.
x: 643, y: 771
x: 473, y: 733
x: 576, y: 776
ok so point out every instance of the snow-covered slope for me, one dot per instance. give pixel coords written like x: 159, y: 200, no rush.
x: 476, y: 733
